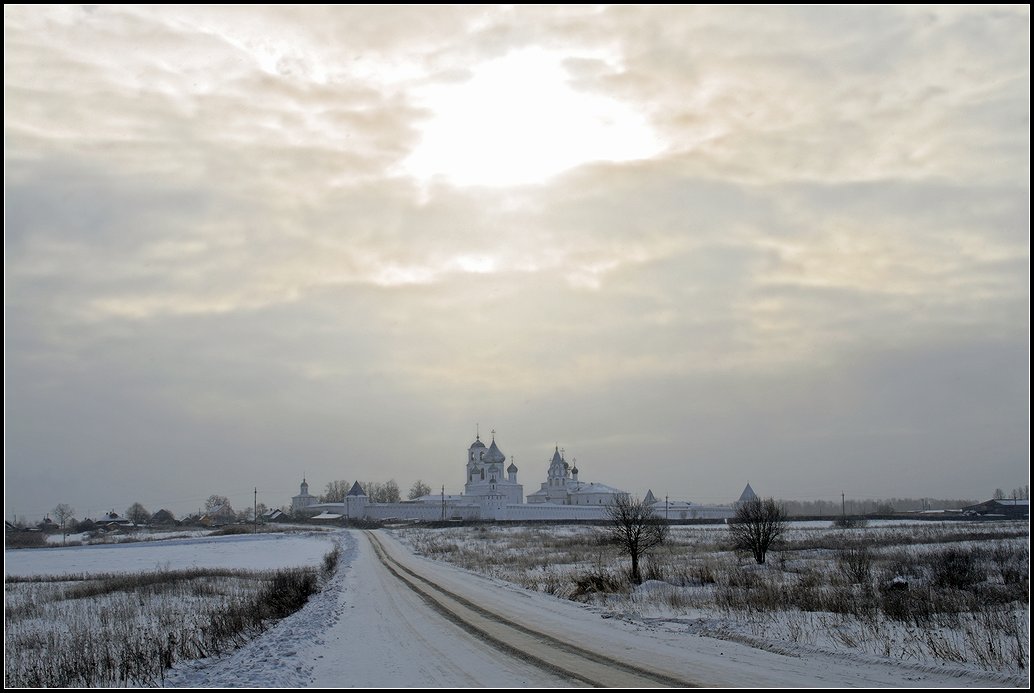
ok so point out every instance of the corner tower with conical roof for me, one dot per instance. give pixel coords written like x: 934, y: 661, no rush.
x: 356, y: 501
x: 747, y: 496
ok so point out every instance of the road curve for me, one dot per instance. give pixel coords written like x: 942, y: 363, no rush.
x: 534, y: 646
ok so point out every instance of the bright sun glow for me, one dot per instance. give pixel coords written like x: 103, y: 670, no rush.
x: 518, y: 121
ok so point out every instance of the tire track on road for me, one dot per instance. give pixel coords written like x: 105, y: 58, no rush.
x: 541, y: 649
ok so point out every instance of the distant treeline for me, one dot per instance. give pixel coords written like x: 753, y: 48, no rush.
x: 378, y: 492
x: 879, y: 506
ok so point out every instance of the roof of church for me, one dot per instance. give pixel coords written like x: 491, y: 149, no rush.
x: 649, y: 499
x: 437, y: 498
x: 595, y: 488
x: 512, y: 469
x: 477, y: 444
x: 557, y: 459
x: 494, y: 454
x: 748, y: 494
x: 356, y: 490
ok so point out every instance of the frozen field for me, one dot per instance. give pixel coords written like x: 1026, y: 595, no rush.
x: 133, y: 536
x: 932, y: 593
x: 120, y: 614
x: 244, y: 551
x: 366, y: 629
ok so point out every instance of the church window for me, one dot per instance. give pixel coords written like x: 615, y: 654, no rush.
x: 482, y: 474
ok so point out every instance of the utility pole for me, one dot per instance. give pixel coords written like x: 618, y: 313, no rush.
x: 665, y: 509
x: 843, y: 505
x: 443, y: 502
x: 254, y: 511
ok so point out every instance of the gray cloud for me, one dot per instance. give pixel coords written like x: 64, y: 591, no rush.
x: 217, y: 276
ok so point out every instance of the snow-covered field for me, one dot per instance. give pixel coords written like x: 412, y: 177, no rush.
x: 119, y: 614
x: 245, y: 551
x: 142, y: 534
x: 367, y: 629
x: 884, y: 590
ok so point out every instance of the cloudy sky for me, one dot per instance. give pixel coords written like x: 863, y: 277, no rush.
x: 694, y: 247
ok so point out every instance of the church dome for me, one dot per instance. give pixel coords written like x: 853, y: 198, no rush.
x: 477, y: 444
x: 512, y: 469
x: 494, y: 454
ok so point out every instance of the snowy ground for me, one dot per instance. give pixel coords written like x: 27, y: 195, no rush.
x: 367, y: 629
x: 247, y: 551
x: 364, y: 630
x: 143, y: 534
x: 704, y: 589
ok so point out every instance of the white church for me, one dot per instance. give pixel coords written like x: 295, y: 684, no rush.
x: 491, y: 492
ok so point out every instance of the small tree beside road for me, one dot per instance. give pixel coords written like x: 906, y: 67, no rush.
x: 636, y: 529
x: 757, y: 525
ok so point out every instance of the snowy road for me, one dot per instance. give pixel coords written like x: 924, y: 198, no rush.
x: 524, y: 641
x: 366, y: 629
x: 369, y: 628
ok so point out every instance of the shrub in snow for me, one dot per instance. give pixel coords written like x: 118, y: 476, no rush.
x: 959, y: 568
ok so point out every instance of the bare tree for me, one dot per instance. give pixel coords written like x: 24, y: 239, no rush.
x: 388, y: 492
x: 999, y: 494
x: 214, y: 501
x: 636, y: 529
x: 758, y: 523
x: 63, y: 512
x: 138, y: 514
x: 373, y: 490
x: 335, y: 491
x: 418, y: 490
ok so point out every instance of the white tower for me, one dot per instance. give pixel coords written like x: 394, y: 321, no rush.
x: 355, y: 502
x: 557, y: 476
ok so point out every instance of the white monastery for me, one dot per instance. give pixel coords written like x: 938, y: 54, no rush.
x: 491, y: 492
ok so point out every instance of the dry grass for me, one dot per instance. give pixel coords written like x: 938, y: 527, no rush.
x: 127, y: 629
x: 948, y: 592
